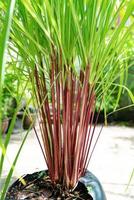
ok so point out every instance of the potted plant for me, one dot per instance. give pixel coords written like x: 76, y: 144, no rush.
x: 5, y: 124
x: 29, y: 118
x: 12, y: 90
x: 7, y: 106
x: 5, y: 117
x: 73, y: 52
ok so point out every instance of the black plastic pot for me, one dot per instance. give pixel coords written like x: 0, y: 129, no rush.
x: 89, y: 180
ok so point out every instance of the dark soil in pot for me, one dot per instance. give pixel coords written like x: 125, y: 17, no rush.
x: 39, y: 187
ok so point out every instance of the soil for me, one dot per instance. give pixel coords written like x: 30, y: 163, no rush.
x: 39, y: 187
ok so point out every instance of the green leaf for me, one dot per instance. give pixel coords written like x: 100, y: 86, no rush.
x: 4, y: 37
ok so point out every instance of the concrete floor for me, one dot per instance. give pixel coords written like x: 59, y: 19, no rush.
x: 112, y: 161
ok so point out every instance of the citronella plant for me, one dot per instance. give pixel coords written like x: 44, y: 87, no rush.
x: 74, y: 52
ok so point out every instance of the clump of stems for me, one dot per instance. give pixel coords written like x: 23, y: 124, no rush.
x: 66, y: 121
x: 74, y: 53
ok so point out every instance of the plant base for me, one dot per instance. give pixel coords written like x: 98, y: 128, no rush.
x: 39, y: 187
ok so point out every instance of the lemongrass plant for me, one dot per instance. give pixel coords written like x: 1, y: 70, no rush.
x: 74, y: 52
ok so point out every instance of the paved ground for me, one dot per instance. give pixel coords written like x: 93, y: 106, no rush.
x: 112, y: 161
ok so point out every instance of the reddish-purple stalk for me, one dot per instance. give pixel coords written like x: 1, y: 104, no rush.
x: 54, y: 112
x: 86, y: 139
x: 67, y: 135
x: 92, y: 135
x: 58, y: 122
x: 44, y: 132
x: 78, y: 142
x: 89, y: 133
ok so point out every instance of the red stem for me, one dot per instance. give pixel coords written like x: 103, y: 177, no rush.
x: 82, y: 117
x: 56, y: 169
